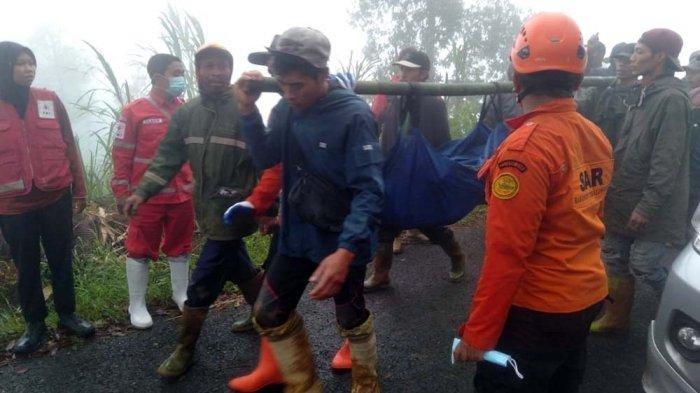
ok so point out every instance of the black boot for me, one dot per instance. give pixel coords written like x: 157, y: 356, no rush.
x: 250, y: 290
x: 76, y: 326
x: 31, y: 339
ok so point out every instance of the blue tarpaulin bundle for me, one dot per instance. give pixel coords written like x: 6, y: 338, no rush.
x: 427, y: 187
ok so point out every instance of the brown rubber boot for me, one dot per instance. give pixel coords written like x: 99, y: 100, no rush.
x: 183, y: 357
x: 457, y: 259
x: 363, y: 354
x: 382, y: 265
x: 397, y: 245
x: 290, y: 345
x: 616, y: 318
x: 250, y: 290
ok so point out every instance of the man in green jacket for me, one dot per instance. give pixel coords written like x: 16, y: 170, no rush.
x: 647, y: 202
x: 205, y: 132
x: 607, y: 106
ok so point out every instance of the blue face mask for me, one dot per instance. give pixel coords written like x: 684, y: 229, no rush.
x: 176, y: 86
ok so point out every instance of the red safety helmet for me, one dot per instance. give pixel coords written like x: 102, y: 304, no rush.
x: 549, y: 41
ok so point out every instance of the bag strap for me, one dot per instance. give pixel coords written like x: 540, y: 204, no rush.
x: 490, y: 101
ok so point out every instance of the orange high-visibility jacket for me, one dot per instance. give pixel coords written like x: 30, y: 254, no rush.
x: 545, y: 187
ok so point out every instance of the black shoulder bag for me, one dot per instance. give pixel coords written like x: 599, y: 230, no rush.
x: 316, y: 199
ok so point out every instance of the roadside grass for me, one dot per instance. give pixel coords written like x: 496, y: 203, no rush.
x: 100, y: 287
x: 475, y: 218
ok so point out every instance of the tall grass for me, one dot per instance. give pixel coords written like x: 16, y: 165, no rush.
x: 100, y: 287
x: 100, y: 281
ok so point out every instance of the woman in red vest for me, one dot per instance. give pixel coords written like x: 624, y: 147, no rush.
x: 41, y: 185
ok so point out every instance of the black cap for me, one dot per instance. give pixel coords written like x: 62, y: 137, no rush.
x: 414, y: 59
x: 622, y: 50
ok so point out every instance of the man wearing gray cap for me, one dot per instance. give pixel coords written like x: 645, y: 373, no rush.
x: 606, y: 107
x: 326, y: 140
x: 692, y: 76
x: 647, y: 203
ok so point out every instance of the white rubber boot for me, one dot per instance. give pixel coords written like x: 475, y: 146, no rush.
x: 137, y: 278
x: 179, y: 279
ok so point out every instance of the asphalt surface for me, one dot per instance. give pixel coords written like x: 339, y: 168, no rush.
x: 416, y: 321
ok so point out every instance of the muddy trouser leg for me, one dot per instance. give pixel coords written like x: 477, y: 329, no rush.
x: 646, y: 259
x: 276, y: 319
x: 615, y: 252
x: 445, y: 238
x: 22, y: 233
x: 383, y: 257
x: 272, y: 250
x: 550, y: 350
x: 219, y: 261
x: 357, y: 325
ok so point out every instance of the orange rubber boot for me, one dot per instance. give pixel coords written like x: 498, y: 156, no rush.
x: 265, y: 374
x: 341, y: 360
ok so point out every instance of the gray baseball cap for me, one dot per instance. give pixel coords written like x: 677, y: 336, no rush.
x: 302, y: 42
x: 694, y: 62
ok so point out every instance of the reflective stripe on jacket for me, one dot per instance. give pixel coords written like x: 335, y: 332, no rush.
x: 137, y: 134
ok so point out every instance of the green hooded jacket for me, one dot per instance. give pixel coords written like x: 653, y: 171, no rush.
x: 205, y: 131
x: 651, y: 164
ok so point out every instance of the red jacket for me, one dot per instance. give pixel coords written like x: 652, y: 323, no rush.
x: 545, y: 187
x: 267, y: 190
x: 137, y: 134
x: 37, y: 152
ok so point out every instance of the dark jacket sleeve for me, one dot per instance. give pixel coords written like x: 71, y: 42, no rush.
x: 668, y: 154
x: 265, y: 145
x: 171, y: 155
x: 433, y: 121
x: 364, y: 179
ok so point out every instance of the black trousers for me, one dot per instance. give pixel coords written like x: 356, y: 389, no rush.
x: 220, y: 261
x: 284, y: 285
x: 550, y: 350
x: 50, y: 227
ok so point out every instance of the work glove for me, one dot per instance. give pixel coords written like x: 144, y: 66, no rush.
x: 346, y: 80
x: 241, y: 210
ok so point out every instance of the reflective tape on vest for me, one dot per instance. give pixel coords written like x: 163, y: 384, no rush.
x: 141, y: 160
x: 12, y: 186
x: 152, y: 176
x: 168, y: 190
x: 124, y: 145
x: 188, y: 187
x: 120, y: 182
x: 194, y: 139
x: 227, y: 141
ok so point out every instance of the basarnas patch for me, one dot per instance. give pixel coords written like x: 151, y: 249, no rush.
x: 505, y: 186
x: 513, y: 164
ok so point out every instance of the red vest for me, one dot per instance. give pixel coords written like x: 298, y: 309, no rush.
x: 32, y: 150
x: 138, y: 133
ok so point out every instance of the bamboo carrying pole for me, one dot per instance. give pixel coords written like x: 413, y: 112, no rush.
x: 270, y: 85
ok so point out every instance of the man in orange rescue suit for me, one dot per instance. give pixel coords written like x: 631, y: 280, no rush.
x: 166, y: 220
x: 542, y: 282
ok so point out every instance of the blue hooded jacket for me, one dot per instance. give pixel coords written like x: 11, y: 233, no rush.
x: 338, y: 140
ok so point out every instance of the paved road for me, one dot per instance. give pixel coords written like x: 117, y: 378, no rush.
x: 416, y: 321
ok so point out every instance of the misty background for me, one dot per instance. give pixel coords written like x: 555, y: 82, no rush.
x: 93, y: 54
